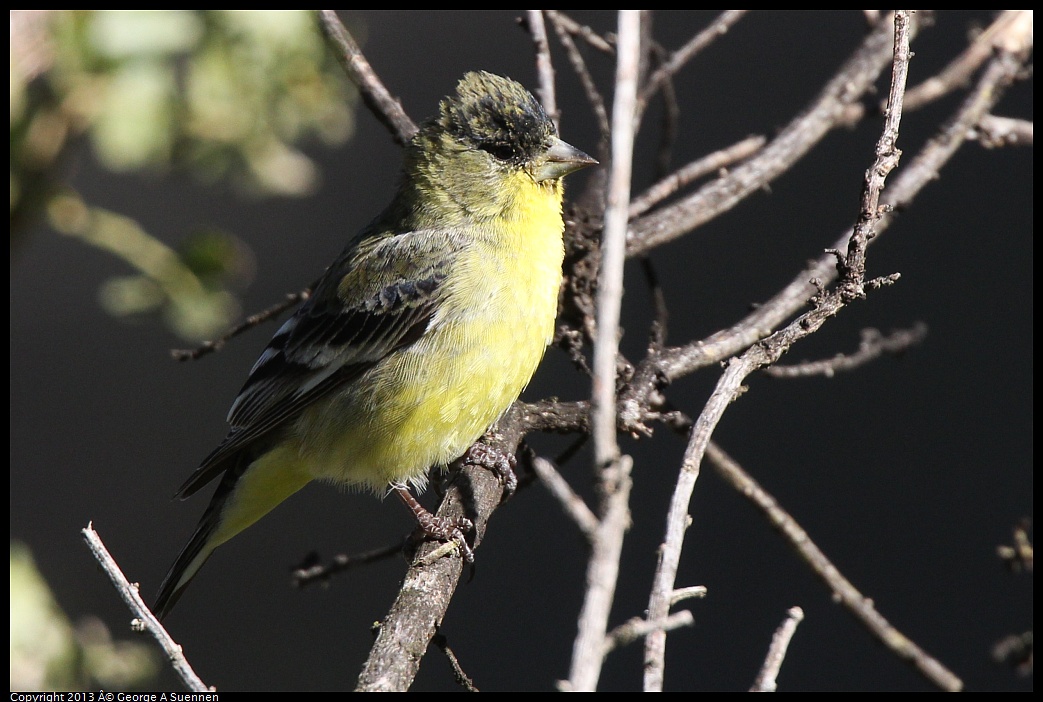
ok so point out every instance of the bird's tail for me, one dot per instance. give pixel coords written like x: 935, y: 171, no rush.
x: 243, y: 496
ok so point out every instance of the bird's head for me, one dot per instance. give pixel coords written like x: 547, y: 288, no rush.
x: 499, y: 120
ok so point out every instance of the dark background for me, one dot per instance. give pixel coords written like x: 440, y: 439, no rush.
x: 908, y: 472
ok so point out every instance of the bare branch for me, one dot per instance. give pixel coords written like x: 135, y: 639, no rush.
x: 854, y: 78
x: 1019, y: 555
x: 305, y: 575
x: 579, y: 65
x: 687, y: 593
x: 961, y: 69
x: 144, y: 619
x: 696, y: 169
x: 1017, y: 651
x: 872, y: 346
x: 462, y: 678
x: 670, y: 122
x: 766, y: 678
x: 767, y: 352
x: 208, y: 347
x: 612, y: 469
x: 572, y: 503
x: 1002, y: 70
x: 637, y: 628
x: 378, y: 99
x: 544, y: 66
x: 571, y: 26
x: 679, y: 58
x: 852, y: 266
x: 610, y: 278
x: 657, y: 337
x: 994, y: 131
x: 677, y: 523
x: 428, y: 586
x: 843, y: 591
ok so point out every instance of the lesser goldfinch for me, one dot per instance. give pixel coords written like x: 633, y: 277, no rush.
x: 420, y: 334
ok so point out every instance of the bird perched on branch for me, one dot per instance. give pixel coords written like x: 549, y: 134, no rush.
x: 420, y: 334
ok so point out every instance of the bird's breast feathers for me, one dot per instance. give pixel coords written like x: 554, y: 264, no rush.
x: 424, y: 404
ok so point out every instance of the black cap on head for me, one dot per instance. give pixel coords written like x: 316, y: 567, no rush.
x: 497, y: 115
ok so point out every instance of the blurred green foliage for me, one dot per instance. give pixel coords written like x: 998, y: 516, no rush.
x: 224, y: 94
x: 48, y: 653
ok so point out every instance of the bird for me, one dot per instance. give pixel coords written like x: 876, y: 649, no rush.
x: 419, y: 335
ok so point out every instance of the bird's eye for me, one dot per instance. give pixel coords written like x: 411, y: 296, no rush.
x: 501, y: 150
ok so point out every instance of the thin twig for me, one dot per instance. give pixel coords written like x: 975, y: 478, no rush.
x: 661, y: 316
x: 995, y: 131
x: 670, y: 122
x: 873, y: 345
x: 769, y: 672
x: 843, y: 591
x: 462, y: 678
x: 579, y: 65
x: 544, y: 67
x: 322, y: 572
x: 1019, y: 556
x: 852, y: 265
x: 144, y: 619
x: 679, y: 58
x: 676, y: 362
x: 208, y: 347
x: 677, y: 522
x: 1016, y: 651
x: 696, y: 169
x: 611, y: 468
x: 377, y: 97
x: 1002, y: 70
x: 961, y: 70
x: 588, y: 35
x: 729, y: 386
x: 853, y: 79
x: 687, y: 593
x: 610, y: 277
x: 572, y: 503
x: 638, y: 628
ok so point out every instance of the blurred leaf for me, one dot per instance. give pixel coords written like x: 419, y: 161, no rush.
x: 124, y: 34
x: 195, y: 306
x: 224, y: 94
x: 133, y: 127
x: 48, y: 653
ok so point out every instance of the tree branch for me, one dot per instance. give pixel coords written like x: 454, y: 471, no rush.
x: 847, y: 594
x: 766, y: 678
x: 611, y: 468
x: 144, y: 619
x: 729, y: 386
x: 807, y: 129
x: 378, y: 99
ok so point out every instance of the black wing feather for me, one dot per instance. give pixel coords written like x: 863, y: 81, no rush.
x: 323, y: 346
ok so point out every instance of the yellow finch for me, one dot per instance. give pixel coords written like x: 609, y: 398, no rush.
x: 420, y: 334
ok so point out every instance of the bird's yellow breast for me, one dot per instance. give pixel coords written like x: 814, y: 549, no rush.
x: 424, y: 405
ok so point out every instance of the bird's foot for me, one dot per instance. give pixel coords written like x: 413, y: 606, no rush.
x: 500, y: 464
x: 446, y: 529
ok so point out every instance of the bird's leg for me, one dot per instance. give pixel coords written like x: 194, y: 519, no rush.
x: 439, y: 528
x: 501, y: 465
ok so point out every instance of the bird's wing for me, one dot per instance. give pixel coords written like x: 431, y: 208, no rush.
x: 378, y: 297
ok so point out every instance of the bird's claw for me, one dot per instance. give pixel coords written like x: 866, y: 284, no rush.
x: 497, y: 462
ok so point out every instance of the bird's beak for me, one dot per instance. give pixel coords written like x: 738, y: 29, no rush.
x: 560, y: 160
